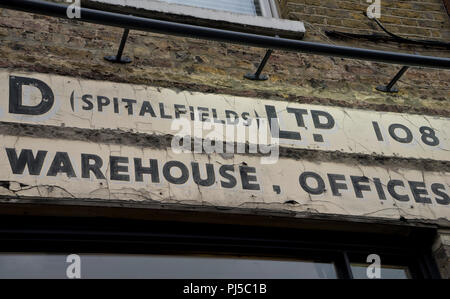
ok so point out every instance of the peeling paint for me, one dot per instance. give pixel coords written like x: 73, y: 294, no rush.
x: 148, y: 110
x: 408, y: 194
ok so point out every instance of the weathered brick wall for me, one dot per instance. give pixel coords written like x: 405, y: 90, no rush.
x: 447, y: 6
x: 425, y: 19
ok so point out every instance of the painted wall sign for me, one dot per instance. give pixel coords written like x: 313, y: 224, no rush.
x: 81, y: 170
x: 63, y: 101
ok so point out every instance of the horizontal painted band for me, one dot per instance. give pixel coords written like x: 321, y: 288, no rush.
x: 48, y: 168
x: 63, y: 101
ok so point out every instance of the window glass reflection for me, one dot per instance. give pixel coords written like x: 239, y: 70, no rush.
x: 176, y: 267
x: 387, y: 272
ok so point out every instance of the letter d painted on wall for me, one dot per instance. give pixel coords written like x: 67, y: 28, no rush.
x: 15, y: 96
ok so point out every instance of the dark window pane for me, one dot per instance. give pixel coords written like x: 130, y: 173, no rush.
x: 387, y: 272
x: 144, y: 266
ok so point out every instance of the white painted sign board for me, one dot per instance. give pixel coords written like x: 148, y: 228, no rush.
x: 33, y: 167
x: 63, y: 101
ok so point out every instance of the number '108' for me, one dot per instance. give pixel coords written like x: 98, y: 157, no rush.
x: 428, y: 135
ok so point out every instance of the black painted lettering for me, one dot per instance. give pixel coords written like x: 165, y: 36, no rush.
x: 163, y: 113
x: 377, y: 129
x: 61, y: 164
x: 444, y: 199
x: 247, y: 119
x: 223, y: 170
x: 147, y: 108
x: 391, y: 189
x: 379, y: 187
x: 316, y: 114
x: 217, y: 121
x: 335, y: 186
x: 392, y: 131
x: 192, y: 113
x: 204, y: 113
x: 129, y: 105
x: 298, y: 115
x: 87, y: 98
x: 179, y: 109
x: 358, y: 187
x: 429, y: 136
x: 116, y: 105
x: 102, y: 102
x: 26, y: 158
x: 320, y: 189
x: 116, y: 169
x: 418, y: 189
x: 15, y: 96
x: 140, y: 170
x: 246, y: 179
x: 174, y: 180
x: 87, y: 167
x: 272, y: 114
x: 232, y: 117
x: 210, y: 175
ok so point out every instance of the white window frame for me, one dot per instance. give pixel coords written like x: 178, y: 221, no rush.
x: 269, y: 19
x: 269, y: 8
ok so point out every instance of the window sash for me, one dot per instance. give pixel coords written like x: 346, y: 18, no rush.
x: 148, y: 266
x: 265, y: 8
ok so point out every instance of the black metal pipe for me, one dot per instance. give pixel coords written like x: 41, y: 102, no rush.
x: 390, y: 87
x: 397, y: 77
x: 122, y: 43
x: 267, y: 42
x: 118, y: 58
x: 257, y: 75
x: 263, y: 62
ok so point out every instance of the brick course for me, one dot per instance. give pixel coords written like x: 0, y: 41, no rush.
x: 425, y: 19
